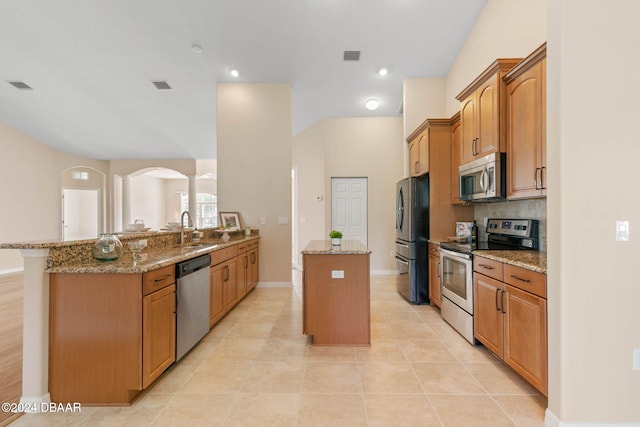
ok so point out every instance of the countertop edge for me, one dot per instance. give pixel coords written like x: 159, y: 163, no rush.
x: 124, y: 264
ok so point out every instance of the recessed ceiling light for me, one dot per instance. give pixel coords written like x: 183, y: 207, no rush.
x: 372, y: 104
x: 383, y: 71
x: 161, y: 85
x: 20, y: 85
x: 196, y: 48
x: 234, y: 72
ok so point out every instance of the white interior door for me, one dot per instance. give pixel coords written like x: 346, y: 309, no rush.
x: 349, y: 208
x: 79, y: 214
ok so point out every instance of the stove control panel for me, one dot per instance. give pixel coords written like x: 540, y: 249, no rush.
x: 513, y: 227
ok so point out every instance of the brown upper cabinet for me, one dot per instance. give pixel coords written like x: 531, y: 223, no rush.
x: 456, y: 134
x: 419, y: 153
x: 435, y: 138
x: 482, y: 112
x: 526, y: 127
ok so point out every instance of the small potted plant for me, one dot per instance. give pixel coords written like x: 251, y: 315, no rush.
x: 336, y: 237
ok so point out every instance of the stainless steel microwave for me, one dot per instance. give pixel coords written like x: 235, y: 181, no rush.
x: 483, y: 179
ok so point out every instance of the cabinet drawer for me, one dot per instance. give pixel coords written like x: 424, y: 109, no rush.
x: 488, y: 267
x: 527, y: 280
x: 434, y: 249
x: 158, y: 279
x: 223, y: 254
x: 243, y: 247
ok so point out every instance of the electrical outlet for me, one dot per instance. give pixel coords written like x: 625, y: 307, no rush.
x: 636, y: 360
x: 622, y: 231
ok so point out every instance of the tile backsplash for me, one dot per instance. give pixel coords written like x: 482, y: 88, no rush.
x: 526, y: 209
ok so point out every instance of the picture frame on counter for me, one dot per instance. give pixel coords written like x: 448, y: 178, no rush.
x: 230, y: 221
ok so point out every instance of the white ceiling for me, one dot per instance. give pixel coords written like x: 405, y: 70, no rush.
x: 91, y: 63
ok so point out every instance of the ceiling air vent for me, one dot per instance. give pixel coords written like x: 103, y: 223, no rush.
x: 160, y: 85
x: 20, y: 85
x: 351, y: 55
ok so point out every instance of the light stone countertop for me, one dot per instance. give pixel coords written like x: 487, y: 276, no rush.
x: 324, y: 247
x: 530, y: 260
x: 163, y: 250
x: 152, y: 259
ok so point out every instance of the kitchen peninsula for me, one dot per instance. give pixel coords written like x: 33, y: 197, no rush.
x: 336, y: 293
x: 100, y: 332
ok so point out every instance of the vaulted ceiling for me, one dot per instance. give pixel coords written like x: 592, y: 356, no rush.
x: 90, y: 64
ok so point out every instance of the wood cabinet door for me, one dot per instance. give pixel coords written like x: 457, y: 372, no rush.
x: 467, y: 129
x: 487, y: 313
x: 525, y: 336
x: 435, y: 293
x: 253, y: 269
x: 423, y: 149
x: 216, y: 306
x: 158, y: 333
x: 488, y: 118
x: 456, y: 140
x: 414, y: 158
x: 242, y: 274
x: 229, y: 284
x: 525, y: 134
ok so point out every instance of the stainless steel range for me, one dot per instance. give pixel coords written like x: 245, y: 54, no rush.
x: 456, y: 264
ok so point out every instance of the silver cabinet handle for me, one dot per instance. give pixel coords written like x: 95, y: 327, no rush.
x: 520, y: 278
x: 497, y: 304
x: 535, y: 178
x: 485, y: 266
x: 502, y: 301
x: 542, y: 186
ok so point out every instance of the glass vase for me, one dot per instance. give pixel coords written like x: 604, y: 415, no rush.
x: 107, y: 248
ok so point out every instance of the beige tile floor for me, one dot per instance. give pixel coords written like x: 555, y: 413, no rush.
x: 255, y: 368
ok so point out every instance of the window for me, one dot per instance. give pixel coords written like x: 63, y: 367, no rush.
x: 206, y: 209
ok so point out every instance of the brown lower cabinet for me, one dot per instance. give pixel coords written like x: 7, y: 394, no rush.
x: 234, y: 272
x: 435, y: 294
x: 110, y: 335
x: 510, y: 317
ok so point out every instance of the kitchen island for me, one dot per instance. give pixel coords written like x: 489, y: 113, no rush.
x: 100, y: 332
x: 336, y: 293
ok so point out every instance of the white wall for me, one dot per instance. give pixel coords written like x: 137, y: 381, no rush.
x: 505, y: 29
x: 422, y: 99
x: 594, y: 290
x: 254, y: 171
x: 369, y: 147
x: 148, y: 201
x: 308, y: 160
x: 30, y: 177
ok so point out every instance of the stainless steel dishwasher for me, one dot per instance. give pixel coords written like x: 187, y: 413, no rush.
x: 192, y: 302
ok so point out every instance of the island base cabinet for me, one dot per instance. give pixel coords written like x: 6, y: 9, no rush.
x: 158, y: 333
x: 95, y: 350
x: 336, y: 310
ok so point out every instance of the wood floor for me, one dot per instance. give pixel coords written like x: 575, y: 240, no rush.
x: 11, y: 303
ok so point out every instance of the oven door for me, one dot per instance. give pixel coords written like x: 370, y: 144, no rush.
x: 457, y: 280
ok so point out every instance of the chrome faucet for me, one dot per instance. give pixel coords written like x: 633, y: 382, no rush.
x: 189, y: 224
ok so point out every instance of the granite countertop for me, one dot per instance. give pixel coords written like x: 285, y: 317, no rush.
x: 152, y: 259
x: 530, y: 260
x: 324, y: 247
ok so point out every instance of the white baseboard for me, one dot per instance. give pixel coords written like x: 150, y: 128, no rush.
x: 550, y: 420
x: 274, y: 284
x: 11, y: 272
x: 384, y: 272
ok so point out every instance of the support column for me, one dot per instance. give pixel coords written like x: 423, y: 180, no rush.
x: 193, y: 195
x: 35, y: 332
x: 126, y: 200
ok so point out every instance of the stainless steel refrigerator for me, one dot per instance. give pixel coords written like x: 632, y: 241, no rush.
x: 412, y: 234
